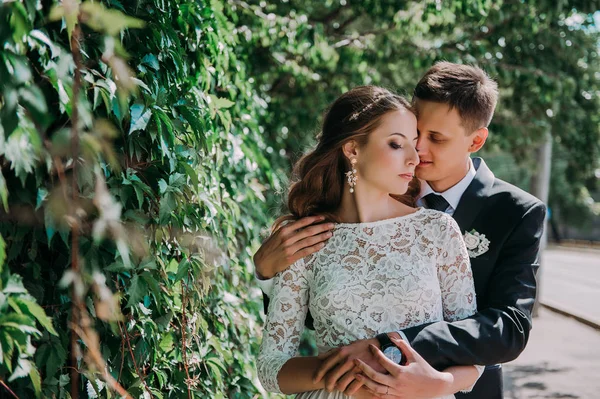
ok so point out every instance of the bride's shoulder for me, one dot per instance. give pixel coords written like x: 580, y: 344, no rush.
x: 433, y: 216
x: 438, y: 220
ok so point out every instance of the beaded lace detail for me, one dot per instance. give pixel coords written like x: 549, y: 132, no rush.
x: 369, y: 278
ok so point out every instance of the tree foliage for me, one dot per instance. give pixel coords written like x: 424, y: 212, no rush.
x: 544, y: 56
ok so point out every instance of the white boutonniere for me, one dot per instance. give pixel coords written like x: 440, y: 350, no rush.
x: 476, y: 243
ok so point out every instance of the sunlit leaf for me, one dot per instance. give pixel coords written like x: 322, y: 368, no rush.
x: 3, y: 193
x: 221, y: 103
x: 140, y: 116
x: 36, y: 311
x: 23, y: 369
x: 106, y: 20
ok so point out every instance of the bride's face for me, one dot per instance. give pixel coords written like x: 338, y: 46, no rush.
x: 387, y: 161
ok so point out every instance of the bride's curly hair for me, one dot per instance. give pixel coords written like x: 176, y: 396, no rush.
x: 318, y: 177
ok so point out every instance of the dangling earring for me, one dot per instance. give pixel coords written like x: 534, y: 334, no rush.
x: 352, y: 178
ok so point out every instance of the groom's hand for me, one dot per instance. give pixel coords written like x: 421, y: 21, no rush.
x: 289, y: 243
x: 338, y: 368
x: 415, y: 380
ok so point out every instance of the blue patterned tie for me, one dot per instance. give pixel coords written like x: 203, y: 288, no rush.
x: 437, y: 202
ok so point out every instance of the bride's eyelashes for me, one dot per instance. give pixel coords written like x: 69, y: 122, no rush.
x: 395, y: 146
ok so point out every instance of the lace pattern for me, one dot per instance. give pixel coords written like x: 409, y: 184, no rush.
x: 369, y: 278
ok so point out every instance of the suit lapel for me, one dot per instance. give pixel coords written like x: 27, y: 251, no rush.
x: 474, y: 197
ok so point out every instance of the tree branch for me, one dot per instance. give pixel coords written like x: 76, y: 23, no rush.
x: 8, y: 389
x: 76, y: 53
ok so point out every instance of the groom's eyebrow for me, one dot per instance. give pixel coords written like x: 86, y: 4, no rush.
x: 436, y: 132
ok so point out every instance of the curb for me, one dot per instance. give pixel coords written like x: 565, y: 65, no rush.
x: 595, y: 249
x: 595, y: 324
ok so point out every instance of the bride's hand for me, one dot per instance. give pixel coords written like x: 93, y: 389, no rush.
x: 289, y: 243
x: 338, y: 368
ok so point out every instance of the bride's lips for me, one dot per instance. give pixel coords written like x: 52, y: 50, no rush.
x: 407, y: 176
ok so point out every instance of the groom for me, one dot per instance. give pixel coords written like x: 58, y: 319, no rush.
x: 502, y: 226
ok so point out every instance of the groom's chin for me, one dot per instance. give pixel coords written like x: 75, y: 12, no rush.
x: 423, y: 173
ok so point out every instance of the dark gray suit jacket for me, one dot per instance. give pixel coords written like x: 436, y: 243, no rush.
x: 505, y: 283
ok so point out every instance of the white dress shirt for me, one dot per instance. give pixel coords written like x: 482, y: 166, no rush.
x: 453, y: 194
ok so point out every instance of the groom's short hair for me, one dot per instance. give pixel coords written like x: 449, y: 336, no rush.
x: 465, y: 87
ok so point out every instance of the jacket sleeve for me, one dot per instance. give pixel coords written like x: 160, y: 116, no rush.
x: 499, y: 331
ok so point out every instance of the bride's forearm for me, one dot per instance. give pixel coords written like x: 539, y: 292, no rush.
x: 297, y: 374
x: 458, y: 378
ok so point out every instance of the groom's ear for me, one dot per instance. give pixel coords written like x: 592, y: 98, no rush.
x: 478, y: 138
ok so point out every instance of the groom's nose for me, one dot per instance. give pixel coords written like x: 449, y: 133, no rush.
x: 421, y: 145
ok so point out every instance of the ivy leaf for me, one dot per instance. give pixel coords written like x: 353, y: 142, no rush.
x: 215, y: 104
x: 221, y: 103
x: 193, y: 174
x: 141, y: 351
x: 43, y: 38
x: 20, y: 66
x: 194, y: 122
x: 142, y: 85
x: 106, y: 20
x: 34, y: 101
x: 69, y: 10
x: 166, y: 343
x: 3, y: 192
x: 52, y: 355
x: 22, y: 370
x: 166, y: 207
x: 7, y: 346
x: 182, y: 269
x: 161, y: 116
x: 140, y: 116
x: 36, y: 380
x: 137, y: 290
x: 151, y: 61
x: 14, y: 285
x: 38, y: 312
x: 162, y: 186
x: 152, y: 283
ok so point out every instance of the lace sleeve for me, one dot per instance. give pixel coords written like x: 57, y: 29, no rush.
x: 284, y: 325
x: 454, y: 274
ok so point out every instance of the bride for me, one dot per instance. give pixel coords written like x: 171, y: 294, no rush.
x: 387, y: 266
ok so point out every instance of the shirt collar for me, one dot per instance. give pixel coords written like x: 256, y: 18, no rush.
x: 454, y: 193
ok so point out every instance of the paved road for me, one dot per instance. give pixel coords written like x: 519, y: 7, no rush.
x: 562, y: 360
x: 570, y: 280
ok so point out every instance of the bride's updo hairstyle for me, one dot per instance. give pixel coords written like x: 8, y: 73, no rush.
x: 318, y: 177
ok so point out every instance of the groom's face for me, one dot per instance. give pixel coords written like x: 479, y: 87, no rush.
x: 443, y: 145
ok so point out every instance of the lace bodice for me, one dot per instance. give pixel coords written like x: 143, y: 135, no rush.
x: 369, y: 278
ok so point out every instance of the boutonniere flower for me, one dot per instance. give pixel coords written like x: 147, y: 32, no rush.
x: 476, y: 243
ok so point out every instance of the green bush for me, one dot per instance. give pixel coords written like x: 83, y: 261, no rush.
x: 169, y: 197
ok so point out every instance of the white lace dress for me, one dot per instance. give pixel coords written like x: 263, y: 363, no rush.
x: 369, y: 278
